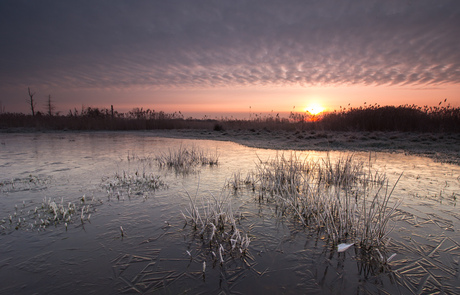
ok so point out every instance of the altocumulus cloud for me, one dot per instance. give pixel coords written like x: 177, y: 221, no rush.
x: 202, y: 44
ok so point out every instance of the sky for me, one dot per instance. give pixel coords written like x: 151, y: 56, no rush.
x: 228, y: 58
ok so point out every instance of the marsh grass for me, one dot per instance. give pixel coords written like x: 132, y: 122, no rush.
x: 50, y: 212
x: 404, y: 118
x: 296, y: 174
x: 346, y: 172
x: 341, y: 200
x: 132, y: 184
x: 214, y: 222
x: 186, y: 159
x: 236, y: 182
x: 441, y: 118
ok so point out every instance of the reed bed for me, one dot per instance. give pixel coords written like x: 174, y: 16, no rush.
x: 215, y: 223
x: 340, y: 199
x: 413, y: 118
x: 186, y: 159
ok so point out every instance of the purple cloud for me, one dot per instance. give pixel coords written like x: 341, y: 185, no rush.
x: 206, y: 44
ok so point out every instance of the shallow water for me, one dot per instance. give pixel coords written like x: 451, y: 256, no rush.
x: 151, y: 256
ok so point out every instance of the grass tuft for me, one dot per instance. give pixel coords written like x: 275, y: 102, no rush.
x: 50, y: 212
x: 185, y: 160
x: 339, y: 199
x: 132, y: 184
x: 214, y: 222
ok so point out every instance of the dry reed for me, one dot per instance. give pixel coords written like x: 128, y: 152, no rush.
x: 341, y: 200
x: 185, y: 159
x: 213, y: 220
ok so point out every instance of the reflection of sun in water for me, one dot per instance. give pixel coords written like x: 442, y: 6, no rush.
x: 314, y: 108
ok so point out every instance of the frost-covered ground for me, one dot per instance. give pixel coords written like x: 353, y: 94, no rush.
x: 443, y: 147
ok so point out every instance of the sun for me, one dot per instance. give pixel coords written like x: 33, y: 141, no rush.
x: 314, y: 108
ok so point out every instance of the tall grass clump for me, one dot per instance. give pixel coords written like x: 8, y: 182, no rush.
x: 294, y: 174
x: 215, y: 224
x: 341, y: 200
x: 186, y: 159
x: 236, y: 182
x: 346, y: 171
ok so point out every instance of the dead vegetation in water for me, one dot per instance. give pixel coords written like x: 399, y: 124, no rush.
x: 132, y: 184
x: 428, y: 253
x: 29, y: 216
x: 216, y: 225
x: 185, y: 159
x: 344, y: 201
x: 50, y: 212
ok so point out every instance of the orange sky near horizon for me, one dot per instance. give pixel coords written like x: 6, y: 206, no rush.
x: 228, y: 58
x: 241, y: 102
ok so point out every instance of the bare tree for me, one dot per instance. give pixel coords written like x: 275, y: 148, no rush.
x: 50, y: 106
x: 31, y: 101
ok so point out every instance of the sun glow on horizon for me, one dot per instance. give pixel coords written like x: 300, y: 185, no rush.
x: 314, y: 108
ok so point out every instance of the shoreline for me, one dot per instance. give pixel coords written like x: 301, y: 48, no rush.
x: 441, y: 147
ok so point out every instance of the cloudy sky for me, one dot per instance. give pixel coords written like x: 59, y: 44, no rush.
x: 216, y: 56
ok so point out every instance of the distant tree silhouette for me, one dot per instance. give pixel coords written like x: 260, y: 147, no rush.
x: 31, y: 101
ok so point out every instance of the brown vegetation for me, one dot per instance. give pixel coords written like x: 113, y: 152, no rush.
x: 443, y: 118
x: 389, y: 118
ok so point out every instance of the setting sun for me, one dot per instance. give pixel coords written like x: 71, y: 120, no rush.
x: 314, y: 109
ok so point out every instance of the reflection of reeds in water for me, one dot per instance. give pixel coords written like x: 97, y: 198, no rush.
x: 214, y: 222
x: 341, y: 200
x: 185, y: 159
